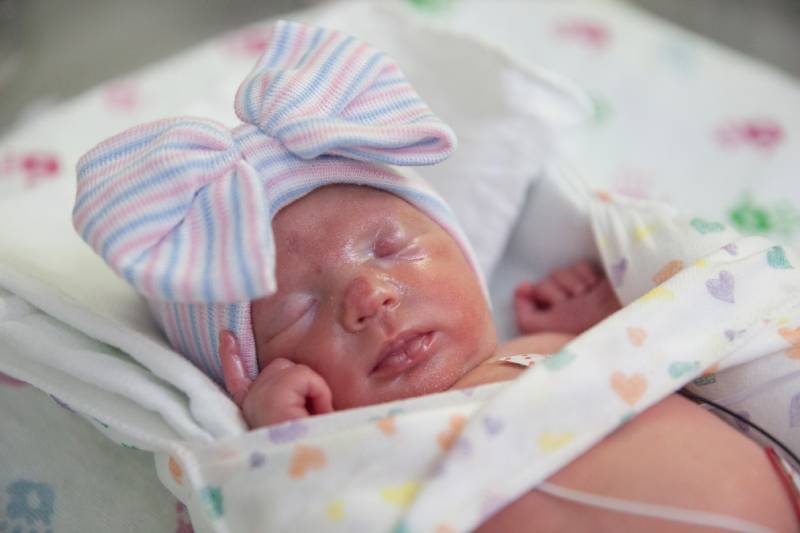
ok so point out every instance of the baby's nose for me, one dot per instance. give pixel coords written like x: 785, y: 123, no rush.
x: 365, y: 298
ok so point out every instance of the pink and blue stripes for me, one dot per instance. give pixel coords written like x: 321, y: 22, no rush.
x: 181, y: 208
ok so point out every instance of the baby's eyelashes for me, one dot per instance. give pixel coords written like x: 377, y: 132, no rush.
x: 293, y: 309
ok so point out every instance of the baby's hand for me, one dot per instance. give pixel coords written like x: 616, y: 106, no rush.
x: 282, y: 390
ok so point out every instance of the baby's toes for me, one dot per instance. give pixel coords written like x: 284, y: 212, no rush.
x: 530, y: 317
x: 547, y: 294
x: 588, y: 273
x: 570, y: 281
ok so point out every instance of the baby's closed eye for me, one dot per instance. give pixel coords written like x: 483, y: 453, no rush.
x: 292, y: 310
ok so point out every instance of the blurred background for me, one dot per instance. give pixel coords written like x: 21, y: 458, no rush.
x: 54, y: 49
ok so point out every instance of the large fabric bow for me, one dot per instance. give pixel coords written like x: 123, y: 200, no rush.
x: 181, y: 208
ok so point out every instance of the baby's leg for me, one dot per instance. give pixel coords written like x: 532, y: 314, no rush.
x: 674, y: 454
x: 569, y: 300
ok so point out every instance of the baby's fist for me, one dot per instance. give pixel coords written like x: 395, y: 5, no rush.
x: 282, y: 390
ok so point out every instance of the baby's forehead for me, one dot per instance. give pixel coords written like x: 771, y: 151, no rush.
x: 335, y: 207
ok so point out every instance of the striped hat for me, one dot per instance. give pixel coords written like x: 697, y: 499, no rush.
x: 181, y: 208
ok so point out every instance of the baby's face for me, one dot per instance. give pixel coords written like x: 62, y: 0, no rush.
x: 374, y: 296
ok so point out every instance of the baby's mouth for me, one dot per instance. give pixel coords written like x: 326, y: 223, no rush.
x: 405, y: 351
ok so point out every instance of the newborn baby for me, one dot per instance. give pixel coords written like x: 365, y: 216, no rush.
x: 377, y: 302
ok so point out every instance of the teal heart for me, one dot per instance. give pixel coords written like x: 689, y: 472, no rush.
x: 559, y: 360
x: 776, y: 258
x: 212, y: 497
x: 704, y: 226
x: 679, y: 368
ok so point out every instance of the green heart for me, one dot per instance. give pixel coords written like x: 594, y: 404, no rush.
x: 679, y: 368
x: 559, y: 360
x: 704, y: 226
x: 777, y: 258
x: 212, y: 497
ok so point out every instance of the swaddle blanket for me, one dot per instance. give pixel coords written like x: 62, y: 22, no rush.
x: 447, y: 462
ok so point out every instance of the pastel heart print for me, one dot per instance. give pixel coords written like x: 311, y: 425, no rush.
x: 722, y: 287
x: 603, y: 196
x: 731, y: 248
x: 667, y: 271
x: 705, y: 226
x: 590, y: 32
x: 335, y: 511
x: 776, y: 258
x: 792, y: 336
x: 401, y: 495
x: 629, y: 388
x: 637, y: 336
x: 680, y: 368
x: 445, y: 528
x: 642, y: 232
x: 559, y: 360
x: 733, y: 334
x: 257, y: 459
x: 304, y: 459
x: 762, y: 134
x: 448, y: 437
x: 618, y: 270
x: 658, y: 294
x: 492, y: 425
x: 549, y: 442
x: 287, y: 432
x: 386, y: 425
x: 175, y: 470
x: 212, y: 498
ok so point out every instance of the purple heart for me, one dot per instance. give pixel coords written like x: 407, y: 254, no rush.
x: 493, y: 426
x: 287, y: 432
x: 257, y: 459
x: 731, y: 334
x: 721, y: 287
x: 618, y: 270
x: 462, y: 447
x: 731, y: 248
x: 794, y: 411
x: 468, y: 391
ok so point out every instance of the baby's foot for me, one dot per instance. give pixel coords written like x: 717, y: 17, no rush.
x: 569, y: 300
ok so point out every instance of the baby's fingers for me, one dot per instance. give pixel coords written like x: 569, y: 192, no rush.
x: 236, y: 381
x: 319, y: 399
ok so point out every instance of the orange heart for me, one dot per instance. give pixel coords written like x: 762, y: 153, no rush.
x: 667, y: 271
x: 792, y: 336
x: 604, y: 197
x: 637, y: 336
x: 175, y: 470
x: 305, y: 458
x: 386, y: 425
x: 630, y: 389
x: 448, y: 437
